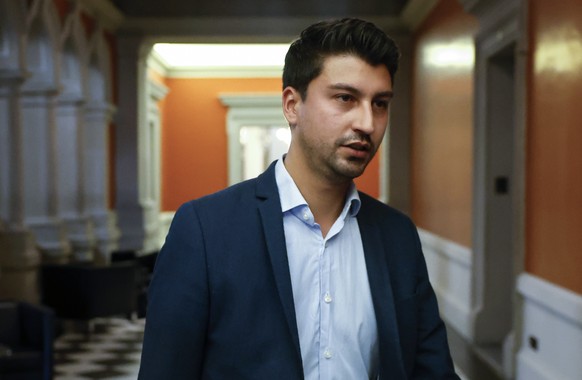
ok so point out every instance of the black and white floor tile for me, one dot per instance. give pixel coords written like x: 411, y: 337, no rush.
x: 111, y: 349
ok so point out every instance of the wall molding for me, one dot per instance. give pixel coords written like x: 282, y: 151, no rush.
x: 552, y: 331
x: 248, y: 109
x: 450, y: 266
x: 562, y: 301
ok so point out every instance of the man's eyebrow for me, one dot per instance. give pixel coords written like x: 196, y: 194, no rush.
x: 355, y: 91
x: 385, y: 94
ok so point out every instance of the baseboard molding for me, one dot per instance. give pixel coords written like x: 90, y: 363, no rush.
x: 450, y: 266
x: 552, y: 331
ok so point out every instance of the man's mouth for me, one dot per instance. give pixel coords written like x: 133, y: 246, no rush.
x: 358, y: 150
x: 359, y: 146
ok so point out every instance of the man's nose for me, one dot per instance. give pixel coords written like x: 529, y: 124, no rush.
x: 364, y: 119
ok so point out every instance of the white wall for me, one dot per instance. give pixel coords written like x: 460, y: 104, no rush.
x: 449, y: 266
x: 552, y: 317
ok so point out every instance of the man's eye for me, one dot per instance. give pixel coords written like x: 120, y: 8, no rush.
x: 381, y: 104
x: 344, y: 98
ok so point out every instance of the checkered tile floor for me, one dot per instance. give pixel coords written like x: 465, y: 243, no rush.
x: 111, y: 350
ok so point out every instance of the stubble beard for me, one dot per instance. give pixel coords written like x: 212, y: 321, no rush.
x: 349, y: 168
x: 335, y: 167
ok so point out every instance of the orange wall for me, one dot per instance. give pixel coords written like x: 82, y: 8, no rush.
x: 442, y: 124
x: 194, y: 140
x: 369, y: 182
x: 554, y: 170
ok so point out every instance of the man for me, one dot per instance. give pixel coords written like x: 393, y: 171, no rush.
x: 295, y: 274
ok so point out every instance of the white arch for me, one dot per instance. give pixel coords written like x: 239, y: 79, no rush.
x: 99, y: 69
x: 12, y: 22
x: 42, y: 45
x: 74, y: 54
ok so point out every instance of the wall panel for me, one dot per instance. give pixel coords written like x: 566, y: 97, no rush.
x: 554, y: 180
x: 442, y: 126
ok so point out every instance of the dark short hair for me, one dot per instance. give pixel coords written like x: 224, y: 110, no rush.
x: 304, y: 60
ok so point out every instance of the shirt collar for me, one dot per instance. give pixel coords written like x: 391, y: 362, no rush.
x: 291, y: 196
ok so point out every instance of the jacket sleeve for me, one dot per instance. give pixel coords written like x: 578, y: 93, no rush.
x: 177, y: 313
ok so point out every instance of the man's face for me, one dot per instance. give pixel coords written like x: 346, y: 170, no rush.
x: 337, y: 128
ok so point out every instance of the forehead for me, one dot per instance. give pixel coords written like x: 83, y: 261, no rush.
x: 353, y: 70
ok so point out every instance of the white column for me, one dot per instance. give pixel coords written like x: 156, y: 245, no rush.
x: 40, y: 172
x: 131, y: 114
x: 96, y: 177
x: 18, y: 255
x: 70, y: 158
x: 10, y: 173
x: 149, y: 150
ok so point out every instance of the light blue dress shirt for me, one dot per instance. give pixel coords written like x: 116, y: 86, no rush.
x: 333, y: 304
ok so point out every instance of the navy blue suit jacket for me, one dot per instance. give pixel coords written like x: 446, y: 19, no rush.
x: 221, y: 304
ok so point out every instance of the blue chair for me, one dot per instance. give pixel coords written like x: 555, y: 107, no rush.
x: 26, y: 341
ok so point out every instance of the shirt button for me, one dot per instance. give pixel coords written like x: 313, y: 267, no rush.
x: 327, y: 354
x: 327, y: 298
x: 305, y: 216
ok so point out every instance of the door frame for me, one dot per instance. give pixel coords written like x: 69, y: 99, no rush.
x: 503, y: 25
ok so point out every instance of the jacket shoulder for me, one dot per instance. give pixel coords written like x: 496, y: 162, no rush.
x: 376, y: 210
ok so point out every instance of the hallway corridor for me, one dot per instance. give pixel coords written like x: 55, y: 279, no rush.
x: 102, y: 138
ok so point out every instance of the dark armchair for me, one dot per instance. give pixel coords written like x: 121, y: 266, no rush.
x: 146, y: 263
x: 85, y: 292
x: 26, y: 341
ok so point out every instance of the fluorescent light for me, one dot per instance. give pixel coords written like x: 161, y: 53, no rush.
x: 459, y: 54
x: 222, y: 55
x: 560, y: 51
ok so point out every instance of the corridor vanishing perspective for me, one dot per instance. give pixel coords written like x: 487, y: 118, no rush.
x: 103, y: 137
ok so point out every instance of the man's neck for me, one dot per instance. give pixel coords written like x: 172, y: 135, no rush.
x: 325, y: 198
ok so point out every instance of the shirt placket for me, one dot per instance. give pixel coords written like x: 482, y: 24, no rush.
x: 325, y: 300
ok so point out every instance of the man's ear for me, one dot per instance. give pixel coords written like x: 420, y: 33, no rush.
x: 291, y: 100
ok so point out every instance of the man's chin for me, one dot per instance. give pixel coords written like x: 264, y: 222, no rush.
x: 352, y: 169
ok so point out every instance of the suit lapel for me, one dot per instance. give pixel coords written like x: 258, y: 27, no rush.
x: 391, y: 364
x: 269, y: 206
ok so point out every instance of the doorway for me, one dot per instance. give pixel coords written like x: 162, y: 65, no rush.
x: 499, y: 178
